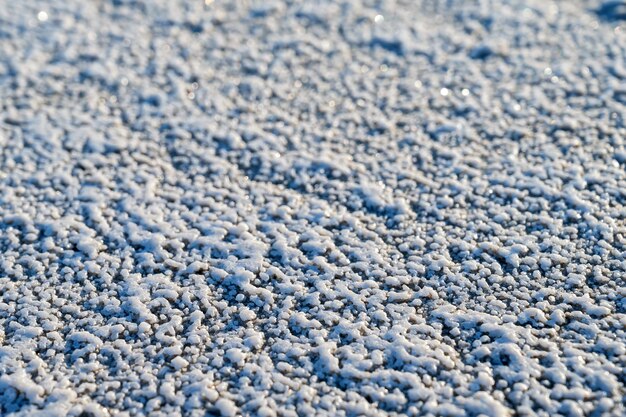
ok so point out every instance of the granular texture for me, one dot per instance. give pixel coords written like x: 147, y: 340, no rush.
x: 312, y: 208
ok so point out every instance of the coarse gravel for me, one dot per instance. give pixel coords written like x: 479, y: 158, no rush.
x: 312, y: 208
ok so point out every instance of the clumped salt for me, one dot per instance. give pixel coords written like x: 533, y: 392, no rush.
x: 312, y: 208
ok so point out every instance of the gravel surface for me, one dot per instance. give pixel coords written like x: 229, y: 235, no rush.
x: 312, y: 208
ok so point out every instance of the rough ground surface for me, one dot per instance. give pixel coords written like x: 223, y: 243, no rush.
x: 312, y: 208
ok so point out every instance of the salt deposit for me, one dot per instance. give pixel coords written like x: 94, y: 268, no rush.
x: 332, y: 208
